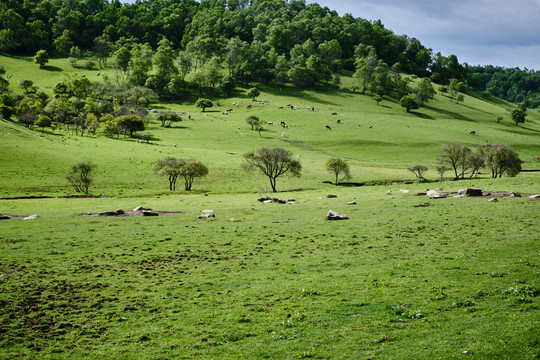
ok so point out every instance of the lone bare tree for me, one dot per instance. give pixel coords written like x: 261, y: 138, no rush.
x: 273, y: 162
x: 80, y: 176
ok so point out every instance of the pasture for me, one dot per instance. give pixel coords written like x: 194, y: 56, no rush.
x: 405, y: 277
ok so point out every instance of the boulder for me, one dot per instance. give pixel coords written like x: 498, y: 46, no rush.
x: 206, y: 215
x: 141, y: 208
x: 351, y: 203
x: 537, y: 196
x: 435, y: 194
x: 31, y: 217
x: 513, y: 194
x: 4, y: 217
x: 268, y: 201
x: 290, y: 203
x: 333, y: 215
x: 331, y: 196
x: 404, y: 191
x: 149, y: 213
x: 470, y: 192
x: 493, y: 200
x: 120, y: 212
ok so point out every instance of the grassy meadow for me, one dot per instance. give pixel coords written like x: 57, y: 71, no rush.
x: 405, y: 277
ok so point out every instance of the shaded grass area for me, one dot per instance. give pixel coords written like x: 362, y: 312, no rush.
x: 395, y: 281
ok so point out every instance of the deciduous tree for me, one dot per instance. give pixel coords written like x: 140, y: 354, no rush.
x: 338, y: 167
x: 80, y: 176
x: 273, y: 163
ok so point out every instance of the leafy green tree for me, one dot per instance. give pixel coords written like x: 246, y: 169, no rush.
x: 173, y: 168
x: 378, y: 99
x: 418, y: 170
x: 169, y: 167
x: 338, y: 167
x: 281, y: 71
x: 331, y: 53
x: 272, y: 162
x: 122, y: 58
x: 253, y: 121
x: 43, y: 121
x: 452, y: 88
x: 204, y: 103
x: 41, y: 58
x: 130, y: 124
x: 228, y: 84
x: 459, y: 98
x: 501, y: 159
x: 102, y: 47
x: 253, y: 92
x: 192, y: 169
x: 80, y: 176
x: 408, y: 103
x: 199, y: 79
x: 63, y: 43
x: 27, y: 85
x: 424, y: 90
x: 140, y: 64
x: 518, y: 116
x: 455, y: 156
x: 167, y: 119
x: 4, y: 83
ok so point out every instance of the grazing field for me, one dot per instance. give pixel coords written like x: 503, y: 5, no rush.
x: 405, y: 277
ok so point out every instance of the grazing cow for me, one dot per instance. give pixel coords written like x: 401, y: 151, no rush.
x: 334, y: 113
x: 328, y: 127
x: 358, y: 125
x: 370, y: 126
x: 249, y: 106
x: 281, y: 107
x: 283, y: 134
x: 288, y: 105
x: 309, y: 108
x: 285, y: 126
x: 473, y: 132
x: 339, y: 121
x: 225, y: 113
x: 228, y: 110
x: 271, y: 123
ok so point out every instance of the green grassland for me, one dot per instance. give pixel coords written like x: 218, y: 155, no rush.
x: 452, y: 278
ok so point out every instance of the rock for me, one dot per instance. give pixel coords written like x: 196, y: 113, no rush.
x: 470, y: 192
x: 333, y: 215
x: 206, y: 215
x: 351, y: 203
x: 290, y: 203
x: 435, y: 194
x: 120, y: 212
x: 31, y: 217
x: 4, y: 217
x: 404, y: 191
x: 234, y: 220
x: 512, y: 194
x: 331, y: 196
x: 108, y: 213
x: 537, y: 196
x: 141, y: 208
x: 268, y: 201
x: 149, y: 213
x: 494, y: 200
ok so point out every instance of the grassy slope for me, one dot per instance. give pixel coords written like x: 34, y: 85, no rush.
x: 175, y: 287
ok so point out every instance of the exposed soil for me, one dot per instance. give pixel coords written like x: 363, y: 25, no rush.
x: 131, y: 213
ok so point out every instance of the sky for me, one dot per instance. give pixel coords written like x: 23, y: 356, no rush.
x: 479, y: 32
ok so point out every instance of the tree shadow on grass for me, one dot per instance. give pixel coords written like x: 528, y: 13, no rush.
x: 421, y: 115
x: 451, y: 114
x: 51, y: 68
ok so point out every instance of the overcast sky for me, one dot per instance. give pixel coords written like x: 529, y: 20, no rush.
x: 486, y: 32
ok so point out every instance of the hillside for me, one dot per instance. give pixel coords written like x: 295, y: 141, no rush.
x: 35, y: 162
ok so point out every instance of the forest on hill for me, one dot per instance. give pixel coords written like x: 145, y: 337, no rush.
x: 257, y: 41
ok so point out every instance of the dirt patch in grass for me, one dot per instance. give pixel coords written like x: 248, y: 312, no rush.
x: 131, y: 213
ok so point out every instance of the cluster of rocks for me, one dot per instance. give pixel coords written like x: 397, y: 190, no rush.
x: 268, y: 200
